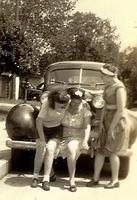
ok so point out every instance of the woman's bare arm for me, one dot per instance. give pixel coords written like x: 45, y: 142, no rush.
x: 87, y: 129
x: 39, y: 126
x: 121, y: 98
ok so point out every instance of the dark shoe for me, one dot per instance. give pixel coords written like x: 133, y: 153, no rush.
x: 92, y: 183
x: 34, y: 183
x: 45, y: 185
x: 53, y: 178
x: 112, y: 185
x: 73, y: 188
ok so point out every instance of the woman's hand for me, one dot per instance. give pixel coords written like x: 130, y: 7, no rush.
x: 101, y: 128
x: 85, y: 145
x: 42, y: 142
x: 111, y: 134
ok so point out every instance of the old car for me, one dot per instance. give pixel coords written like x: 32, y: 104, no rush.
x: 29, y: 91
x: 20, y: 122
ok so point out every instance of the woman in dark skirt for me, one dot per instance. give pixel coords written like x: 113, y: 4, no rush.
x: 49, y: 130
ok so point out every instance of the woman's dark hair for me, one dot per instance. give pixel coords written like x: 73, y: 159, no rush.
x: 59, y: 96
x: 111, y: 68
x: 76, y: 93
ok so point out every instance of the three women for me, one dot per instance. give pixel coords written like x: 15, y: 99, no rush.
x: 75, y: 119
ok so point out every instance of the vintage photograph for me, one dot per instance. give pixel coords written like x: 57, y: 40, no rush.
x: 68, y: 99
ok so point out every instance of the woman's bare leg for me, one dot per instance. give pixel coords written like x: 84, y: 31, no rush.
x: 39, y: 156
x: 72, y: 152
x: 115, y: 164
x: 99, y: 162
x: 49, y: 157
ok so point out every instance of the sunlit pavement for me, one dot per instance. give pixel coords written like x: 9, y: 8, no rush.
x: 17, y: 186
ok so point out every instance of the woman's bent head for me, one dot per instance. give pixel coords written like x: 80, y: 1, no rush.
x: 58, y: 98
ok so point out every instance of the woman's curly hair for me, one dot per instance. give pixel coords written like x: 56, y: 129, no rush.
x: 60, y: 96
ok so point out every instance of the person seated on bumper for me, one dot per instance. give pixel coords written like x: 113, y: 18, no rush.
x: 49, y: 128
x: 76, y: 131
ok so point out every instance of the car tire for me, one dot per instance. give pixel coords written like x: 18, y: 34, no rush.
x: 21, y: 160
x: 124, y: 167
x: 123, y: 170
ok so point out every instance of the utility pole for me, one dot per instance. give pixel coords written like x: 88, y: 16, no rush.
x: 17, y: 12
x: 16, y: 80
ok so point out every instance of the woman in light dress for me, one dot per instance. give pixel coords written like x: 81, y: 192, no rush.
x: 112, y: 127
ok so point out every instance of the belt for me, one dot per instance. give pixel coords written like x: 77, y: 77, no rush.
x: 111, y: 107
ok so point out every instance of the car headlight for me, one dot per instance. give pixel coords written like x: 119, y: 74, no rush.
x: 98, y: 102
x: 88, y: 96
x: 43, y: 97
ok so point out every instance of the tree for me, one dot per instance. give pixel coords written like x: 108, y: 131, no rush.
x: 128, y: 71
x: 15, y: 51
x: 95, y: 38
x: 48, y: 31
x: 84, y: 37
x: 39, y: 20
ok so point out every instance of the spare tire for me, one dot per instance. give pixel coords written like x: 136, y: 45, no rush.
x: 21, y: 122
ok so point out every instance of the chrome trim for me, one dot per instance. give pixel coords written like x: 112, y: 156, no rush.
x: 20, y: 144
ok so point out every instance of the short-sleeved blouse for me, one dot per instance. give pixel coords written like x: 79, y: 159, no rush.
x: 50, y: 117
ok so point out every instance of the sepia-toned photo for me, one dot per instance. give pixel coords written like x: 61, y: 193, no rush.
x: 68, y: 99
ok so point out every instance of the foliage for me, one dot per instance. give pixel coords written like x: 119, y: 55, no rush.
x: 27, y: 38
x: 15, y: 52
x: 42, y: 32
x: 84, y: 37
x: 128, y: 63
x: 95, y: 39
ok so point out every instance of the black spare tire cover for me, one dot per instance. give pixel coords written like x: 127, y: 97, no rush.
x: 21, y: 122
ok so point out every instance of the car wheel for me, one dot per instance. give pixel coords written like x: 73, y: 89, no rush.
x: 21, y: 160
x: 124, y: 167
x: 123, y: 170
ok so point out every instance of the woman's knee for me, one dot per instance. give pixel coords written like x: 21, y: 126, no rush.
x: 114, y: 157
x: 40, y: 147
x: 73, y: 147
x: 51, y: 146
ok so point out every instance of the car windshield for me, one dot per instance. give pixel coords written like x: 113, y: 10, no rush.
x: 85, y: 77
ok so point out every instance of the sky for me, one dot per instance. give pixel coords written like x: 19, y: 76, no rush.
x: 121, y: 13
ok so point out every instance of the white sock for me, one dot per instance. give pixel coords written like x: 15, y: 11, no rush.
x: 35, y: 175
x: 46, y: 178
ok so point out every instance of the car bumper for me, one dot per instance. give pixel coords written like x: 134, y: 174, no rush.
x: 125, y: 153
x: 20, y: 144
x: 32, y: 145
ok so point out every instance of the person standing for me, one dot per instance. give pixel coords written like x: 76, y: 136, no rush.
x: 112, y: 126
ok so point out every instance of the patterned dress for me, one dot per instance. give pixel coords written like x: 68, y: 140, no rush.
x: 115, y: 144
x: 74, y: 127
x: 74, y: 124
